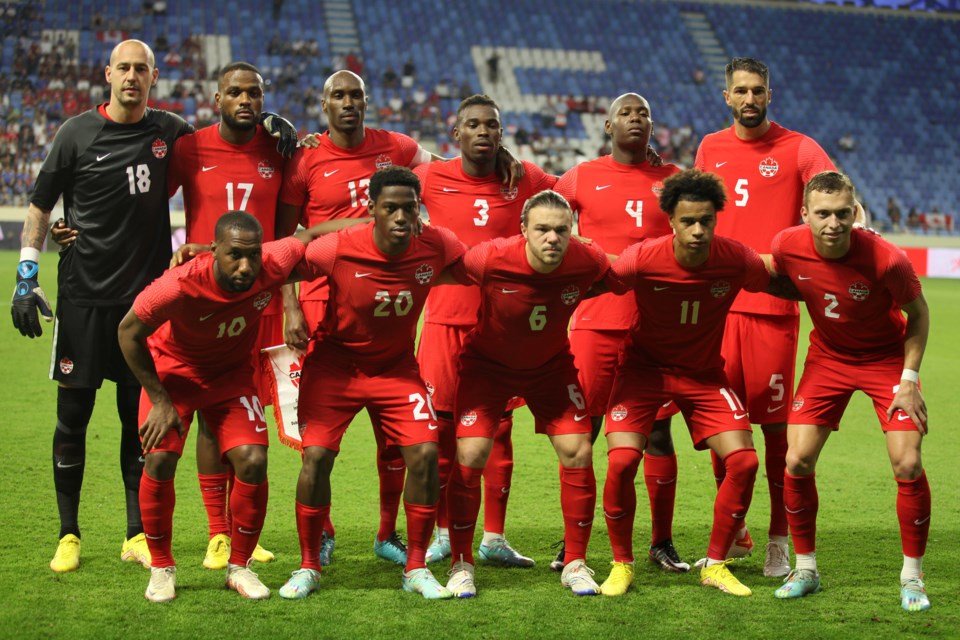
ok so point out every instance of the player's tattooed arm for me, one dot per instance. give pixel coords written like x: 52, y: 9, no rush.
x: 908, y: 398
x: 35, y: 227
x: 132, y: 336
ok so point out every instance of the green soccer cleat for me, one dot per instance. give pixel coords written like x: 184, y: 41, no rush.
x: 422, y: 581
x: 302, y: 583
x: 439, y: 549
x: 327, y: 543
x: 499, y: 550
x: 799, y: 583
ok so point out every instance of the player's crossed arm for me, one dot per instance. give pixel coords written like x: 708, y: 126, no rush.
x: 163, y: 416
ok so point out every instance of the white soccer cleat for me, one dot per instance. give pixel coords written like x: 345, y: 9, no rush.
x: 578, y: 577
x: 777, y: 562
x: 461, y: 583
x: 245, y: 582
x: 162, y: 586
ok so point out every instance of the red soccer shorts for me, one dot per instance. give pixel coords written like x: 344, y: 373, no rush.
x: 597, y: 355
x: 234, y: 421
x: 827, y: 384
x: 332, y: 392
x: 707, y: 402
x: 552, y: 392
x: 761, y: 354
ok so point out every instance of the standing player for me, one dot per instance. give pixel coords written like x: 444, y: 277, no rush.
x: 188, y: 339
x: 232, y: 165
x: 616, y: 198
x: 466, y: 196
x: 683, y: 285
x: 855, y: 286
x: 379, y: 275
x: 110, y: 166
x: 529, y: 286
x: 764, y: 167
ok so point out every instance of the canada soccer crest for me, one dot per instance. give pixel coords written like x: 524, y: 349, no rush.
x: 769, y: 167
x: 719, y: 288
x: 570, y: 294
x: 383, y: 161
x: 265, y: 169
x: 159, y: 148
x: 618, y: 413
x: 66, y: 366
x: 261, y: 301
x: 797, y: 403
x: 424, y: 273
x: 468, y: 419
x: 508, y: 193
x: 294, y: 373
x: 859, y: 291
x: 657, y: 187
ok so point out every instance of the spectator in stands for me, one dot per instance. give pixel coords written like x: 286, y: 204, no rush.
x: 390, y: 79
x: 847, y: 142
x: 913, y: 221
x: 698, y: 76
x: 493, y: 68
x: 409, y: 73
x: 894, y: 215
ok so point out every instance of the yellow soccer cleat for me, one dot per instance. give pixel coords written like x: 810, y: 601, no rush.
x: 719, y: 576
x: 262, y: 555
x: 218, y: 552
x: 135, y: 550
x: 619, y: 580
x: 67, y: 557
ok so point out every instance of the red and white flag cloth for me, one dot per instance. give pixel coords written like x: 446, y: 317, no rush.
x: 281, y: 367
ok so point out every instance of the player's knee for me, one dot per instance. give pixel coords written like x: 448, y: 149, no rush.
x: 577, y: 456
x: 318, y: 461
x: 74, y: 408
x: 473, y: 455
x: 161, y: 465
x: 800, y: 463
x: 421, y: 459
x: 742, y: 463
x: 623, y: 460
x: 907, y: 466
x: 249, y: 463
x: 660, y: 442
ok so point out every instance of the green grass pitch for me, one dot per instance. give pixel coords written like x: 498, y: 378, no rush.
x: 859, y: 546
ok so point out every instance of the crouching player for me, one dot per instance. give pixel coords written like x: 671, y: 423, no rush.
x: 855, y: 286
x: 684, y: 285
x: 188, y: 339
x: 530, y: 285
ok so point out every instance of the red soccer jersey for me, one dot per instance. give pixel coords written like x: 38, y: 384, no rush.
x: 376, y: 299
x: 218, y: 176
x: 331, y: 182
x: 683, y: 310
x: 618, y: 205
x: 764, y: 179
x: 205, y: 329
x: 854, y: 301
x: 523, y: 313
x: 476, y: 210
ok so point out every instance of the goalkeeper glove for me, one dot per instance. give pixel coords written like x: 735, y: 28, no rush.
x: 283, y: 129
x: 27, y: 298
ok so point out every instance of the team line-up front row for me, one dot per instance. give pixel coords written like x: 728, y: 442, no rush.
x: 189, y: 335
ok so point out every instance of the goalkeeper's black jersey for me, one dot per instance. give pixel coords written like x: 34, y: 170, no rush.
x: 113, y: 179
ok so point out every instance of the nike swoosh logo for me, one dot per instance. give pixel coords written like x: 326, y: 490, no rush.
x: 509, y: 290
x: 104, y: 156
x: 357, y: 274
x: 248, y: 532
x: 804, y: 277
x: 141, y: 460
x: 432, y: 427
x: 389, y: 468
x: 461, y: 527
x: 720, y: 164
x: 504, y: 489
x: 259, y: 429
x: 903, y: 417
x: 60, y: 465
x: 738, y: 516
x: 776, y: 408
x: 920, y: 522
x: 577, y: 417
x: 206, y: 317
x: 610, y: 517
x: 738, y: 416
x: 792, y: 511
x: 220, y: 488
x: 327, y: 174
x: 602, y: 187
x: 449, y: 190
x: 670, y: 481
x: 153, y: 537
x: 660, y: 288
x: 205, y: 169
x: 584, y: 524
